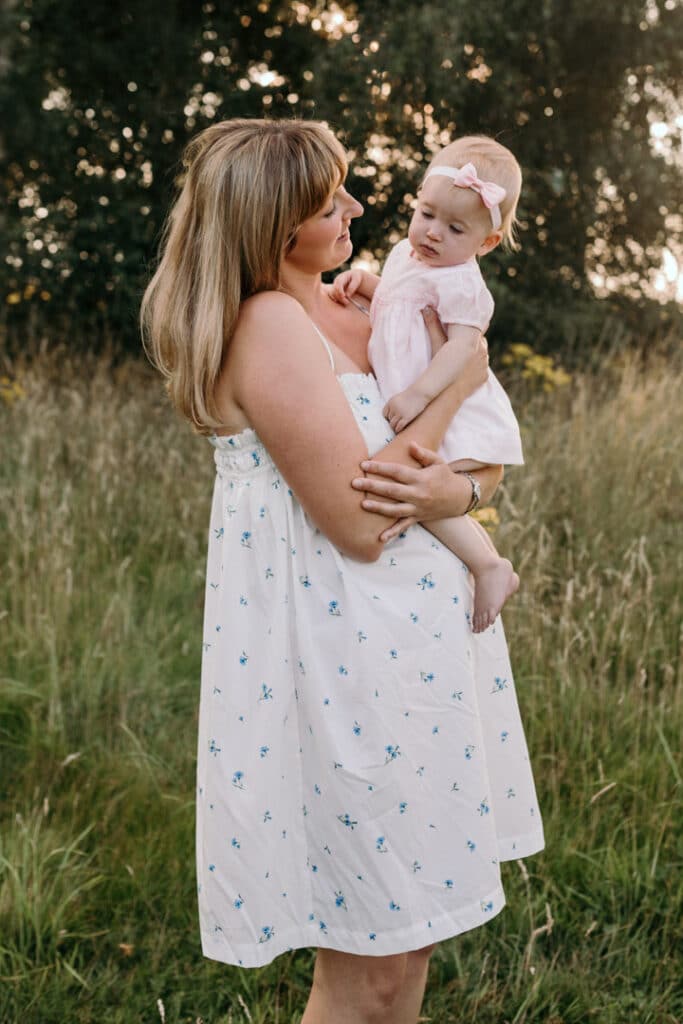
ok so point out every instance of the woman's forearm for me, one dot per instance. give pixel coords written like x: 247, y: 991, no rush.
x: 489, y: 478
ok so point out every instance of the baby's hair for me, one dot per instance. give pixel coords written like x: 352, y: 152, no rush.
x: 493, y: 162
x: 248, y: 186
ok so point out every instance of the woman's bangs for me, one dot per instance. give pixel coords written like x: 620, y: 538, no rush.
x: 326, y: 175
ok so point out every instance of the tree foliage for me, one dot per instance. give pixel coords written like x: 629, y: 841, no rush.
x: 97, y: 104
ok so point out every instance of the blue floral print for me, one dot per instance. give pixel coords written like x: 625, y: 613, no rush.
x: 362, y: 769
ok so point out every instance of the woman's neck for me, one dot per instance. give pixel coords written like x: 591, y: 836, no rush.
x: 308, y: 289
x: 344, y: 326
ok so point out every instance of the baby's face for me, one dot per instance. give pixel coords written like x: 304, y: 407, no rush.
x: 449, y: 225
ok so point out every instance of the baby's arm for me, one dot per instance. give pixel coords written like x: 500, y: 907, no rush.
x: 444, y: 368
x: 352, y: 282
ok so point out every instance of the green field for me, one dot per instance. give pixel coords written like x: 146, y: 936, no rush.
x: 104, y: 505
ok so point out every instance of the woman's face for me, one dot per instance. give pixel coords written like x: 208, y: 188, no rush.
x: 323, y: 241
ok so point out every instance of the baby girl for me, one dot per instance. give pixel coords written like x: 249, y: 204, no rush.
x: 466, y: 207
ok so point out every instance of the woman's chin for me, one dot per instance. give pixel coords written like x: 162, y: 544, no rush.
x: 343, y: 253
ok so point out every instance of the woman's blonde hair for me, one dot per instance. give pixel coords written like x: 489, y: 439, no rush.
x: 247, y: 188
x: 493, y: 162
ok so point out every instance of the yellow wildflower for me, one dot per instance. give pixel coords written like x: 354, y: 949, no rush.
x: 10, y: 390
x: 536, y: 368
x: 487, y: 517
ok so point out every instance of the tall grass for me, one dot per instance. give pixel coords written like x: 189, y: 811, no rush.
x: 104, y: 501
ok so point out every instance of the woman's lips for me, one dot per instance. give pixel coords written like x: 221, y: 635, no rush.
x: 345, y: 237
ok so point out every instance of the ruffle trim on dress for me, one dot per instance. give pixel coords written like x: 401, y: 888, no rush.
x: 242, y: 453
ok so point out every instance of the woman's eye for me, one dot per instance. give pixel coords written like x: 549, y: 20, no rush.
x: 330, y: 212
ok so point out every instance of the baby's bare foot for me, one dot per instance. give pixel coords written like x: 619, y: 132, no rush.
x: 492, y: 588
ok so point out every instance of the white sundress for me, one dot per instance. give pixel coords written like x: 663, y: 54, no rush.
x: 362, y: 767
x: 485, y: 427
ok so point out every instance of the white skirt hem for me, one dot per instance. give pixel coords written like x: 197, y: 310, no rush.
x: 400, y: 940
x: 516, y: 847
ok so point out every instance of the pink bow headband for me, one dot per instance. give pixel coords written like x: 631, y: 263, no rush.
x: 466, y: 177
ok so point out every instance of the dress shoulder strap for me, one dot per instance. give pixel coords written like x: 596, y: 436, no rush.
x: 325, y: 343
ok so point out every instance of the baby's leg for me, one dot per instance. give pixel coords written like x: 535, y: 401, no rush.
x: 460, y: 465
x: 494, y: 578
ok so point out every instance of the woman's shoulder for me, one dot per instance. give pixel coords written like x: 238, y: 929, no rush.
x: 265, y: 307
x: 272, y: 326
x: 267, y: 319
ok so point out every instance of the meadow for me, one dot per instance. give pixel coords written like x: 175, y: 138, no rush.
x: 104, y: 505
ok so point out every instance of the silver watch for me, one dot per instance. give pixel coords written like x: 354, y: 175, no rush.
x: 476, y: 490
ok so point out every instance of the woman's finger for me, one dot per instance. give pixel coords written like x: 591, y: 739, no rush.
x: 389, y: 508
x: 384, y: 487
x: 398, y: 527
x: 434, y: 325
x: 380, y: 488
x: 425, y: 456
x: 396, y: 470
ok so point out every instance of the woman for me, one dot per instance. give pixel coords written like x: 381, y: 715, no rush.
x: 361, y: 763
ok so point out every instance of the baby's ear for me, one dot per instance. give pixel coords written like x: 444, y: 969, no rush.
x: 490, y: 243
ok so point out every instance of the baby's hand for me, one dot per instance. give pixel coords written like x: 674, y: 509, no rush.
x: 402, y: 409
x: 345, y: 285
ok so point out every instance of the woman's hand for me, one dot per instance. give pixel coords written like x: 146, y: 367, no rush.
x: 475, y: 371
x: 412, y: 494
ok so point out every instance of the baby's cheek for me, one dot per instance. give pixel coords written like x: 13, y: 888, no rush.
x: 413, y: 231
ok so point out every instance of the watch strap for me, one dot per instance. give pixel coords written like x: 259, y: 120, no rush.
x: 476, y: 490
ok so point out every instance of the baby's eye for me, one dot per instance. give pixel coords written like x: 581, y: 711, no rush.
x: 428, y: 216
x: 455, y: 230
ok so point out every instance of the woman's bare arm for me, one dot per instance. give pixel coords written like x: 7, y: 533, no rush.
x: 280, y: 376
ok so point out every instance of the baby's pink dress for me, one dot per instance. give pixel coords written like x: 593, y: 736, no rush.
x: 485, y: 427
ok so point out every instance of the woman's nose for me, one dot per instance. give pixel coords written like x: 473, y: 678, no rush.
x: 354, y: 209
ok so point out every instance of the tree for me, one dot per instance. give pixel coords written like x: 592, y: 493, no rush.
x: 97, y: 106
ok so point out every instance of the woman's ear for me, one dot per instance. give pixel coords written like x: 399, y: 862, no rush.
x: 490, y: 243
